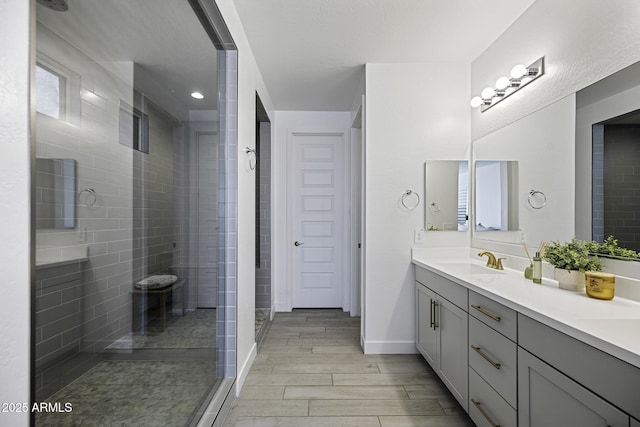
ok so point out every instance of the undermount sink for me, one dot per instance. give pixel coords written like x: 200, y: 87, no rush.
x: 466, y: 267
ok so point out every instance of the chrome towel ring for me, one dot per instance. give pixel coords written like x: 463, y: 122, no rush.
x: 407, y: 197
x: 87, y: 197
x: 537, y: 199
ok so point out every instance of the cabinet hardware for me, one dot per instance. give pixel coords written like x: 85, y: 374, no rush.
x: 486, y: 313
x: 484, y: 414
x: 431, y: 313
x: 435, y: 315
x: 487, y: 358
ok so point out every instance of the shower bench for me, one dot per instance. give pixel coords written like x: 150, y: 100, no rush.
x: 138, y: 295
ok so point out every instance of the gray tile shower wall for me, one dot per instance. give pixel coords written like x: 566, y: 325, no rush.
x: 263, y: 271
x: 130, y: 229
x: 58, y: 317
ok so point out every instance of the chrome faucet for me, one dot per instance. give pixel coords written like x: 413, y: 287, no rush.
x: 492, y: 261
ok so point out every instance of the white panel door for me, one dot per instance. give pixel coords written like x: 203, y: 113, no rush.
x: 316, y: 186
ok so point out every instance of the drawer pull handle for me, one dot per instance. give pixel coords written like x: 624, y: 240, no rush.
x: 486, y: 313
x: 431, y: 313
x: 435, y: 315
x: 487, y: 358
x: 484, y: 414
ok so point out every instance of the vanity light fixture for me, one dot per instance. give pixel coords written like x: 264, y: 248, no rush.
x: 520, y: 76
x: 197, y: 95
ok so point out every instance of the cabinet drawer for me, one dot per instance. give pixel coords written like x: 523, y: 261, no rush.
x: 494, y: 314
x: 613, y: 379
x: 486, y: 407
x: 494, y: 358
x: 447, y: 289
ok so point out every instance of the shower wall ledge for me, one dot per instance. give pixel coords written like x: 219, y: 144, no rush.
x: 54, y: 257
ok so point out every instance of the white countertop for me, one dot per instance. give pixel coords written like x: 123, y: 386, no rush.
x: 611, y: 326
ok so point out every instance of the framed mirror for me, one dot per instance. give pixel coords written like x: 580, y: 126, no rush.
x: 55, y: 193
x: 446, y: 196
x: 496, y: 195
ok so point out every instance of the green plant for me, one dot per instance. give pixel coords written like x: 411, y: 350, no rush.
x: 610, y: 248
x: 572, y: 255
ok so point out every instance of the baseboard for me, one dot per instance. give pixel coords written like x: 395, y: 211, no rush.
x: 245, y: 368
x: 389, y: 347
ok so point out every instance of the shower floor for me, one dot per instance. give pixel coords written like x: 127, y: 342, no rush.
x: 160, y: 378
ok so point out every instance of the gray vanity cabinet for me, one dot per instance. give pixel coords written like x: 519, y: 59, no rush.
x: 549, y: 398
x: 426, y: 334
x: 442, y: 330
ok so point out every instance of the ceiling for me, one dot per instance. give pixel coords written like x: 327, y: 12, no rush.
x: 311, y: 52
x: 172, y: 52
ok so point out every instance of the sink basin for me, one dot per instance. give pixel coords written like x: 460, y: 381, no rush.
x: 469, y: 268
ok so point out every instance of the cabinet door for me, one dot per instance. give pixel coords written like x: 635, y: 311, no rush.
x: 634, y: 423
x: 453, y: 327
x: 546, y: 397
x: 426, y: 334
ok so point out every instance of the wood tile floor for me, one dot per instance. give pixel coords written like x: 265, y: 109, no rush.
x: 310, y: 371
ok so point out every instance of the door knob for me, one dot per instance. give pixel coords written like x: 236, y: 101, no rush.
x: 298, y: 243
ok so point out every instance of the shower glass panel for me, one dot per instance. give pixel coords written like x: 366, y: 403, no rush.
x: 127, y: 299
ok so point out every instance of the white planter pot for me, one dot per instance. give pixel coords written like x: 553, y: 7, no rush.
x: 570, y: 280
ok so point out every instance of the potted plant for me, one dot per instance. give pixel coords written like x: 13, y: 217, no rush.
x: 571, y: 260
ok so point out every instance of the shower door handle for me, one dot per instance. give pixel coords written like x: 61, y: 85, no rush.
x: 298, y: 243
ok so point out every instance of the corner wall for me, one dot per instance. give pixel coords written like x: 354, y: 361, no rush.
x: 414, y: 112
x: 249, y: 82
x: 16, y: 31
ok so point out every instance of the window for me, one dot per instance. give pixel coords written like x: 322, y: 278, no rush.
x: 50, y: 92
x: 57, y: 90
x: 134, y: 128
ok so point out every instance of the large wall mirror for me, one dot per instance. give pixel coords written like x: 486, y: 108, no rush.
x: 446, y: 196
x: 607, y: 159
x: 496, y: 195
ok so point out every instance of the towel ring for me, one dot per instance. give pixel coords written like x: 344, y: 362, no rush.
x: 87, y: 197
x: 408, y: 194
x: 252, y: 158
x: 534, y: 195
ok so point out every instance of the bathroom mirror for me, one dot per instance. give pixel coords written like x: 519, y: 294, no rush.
x: 55, y: 193
x: 607, y: 129
x: 496, y: 195
x: 446, y: 195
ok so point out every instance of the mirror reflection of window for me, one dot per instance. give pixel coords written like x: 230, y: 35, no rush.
x: 446, y: 195
x: 496, y: 183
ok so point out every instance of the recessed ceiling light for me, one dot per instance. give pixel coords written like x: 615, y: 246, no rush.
x: 197, y: 95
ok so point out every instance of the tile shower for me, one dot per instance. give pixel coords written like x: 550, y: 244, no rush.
x: 151, y: 195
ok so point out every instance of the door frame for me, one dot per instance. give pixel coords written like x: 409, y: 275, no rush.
x: 346, y: 200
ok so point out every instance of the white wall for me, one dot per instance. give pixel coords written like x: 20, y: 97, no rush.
x: 286, y: 121
x: 543, y: 145
x: 582, y: 42
x: 414, y: 112
x: 16, y: 27
x: 249, y: 81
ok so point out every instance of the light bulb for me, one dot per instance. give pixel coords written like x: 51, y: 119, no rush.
x: 488, y: 93
x: 476, y: 101
x: 518, y: 71
x: 502, y: 83
x: 197, y: 95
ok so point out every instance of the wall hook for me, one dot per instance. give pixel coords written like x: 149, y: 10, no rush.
x: 253, y: 156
